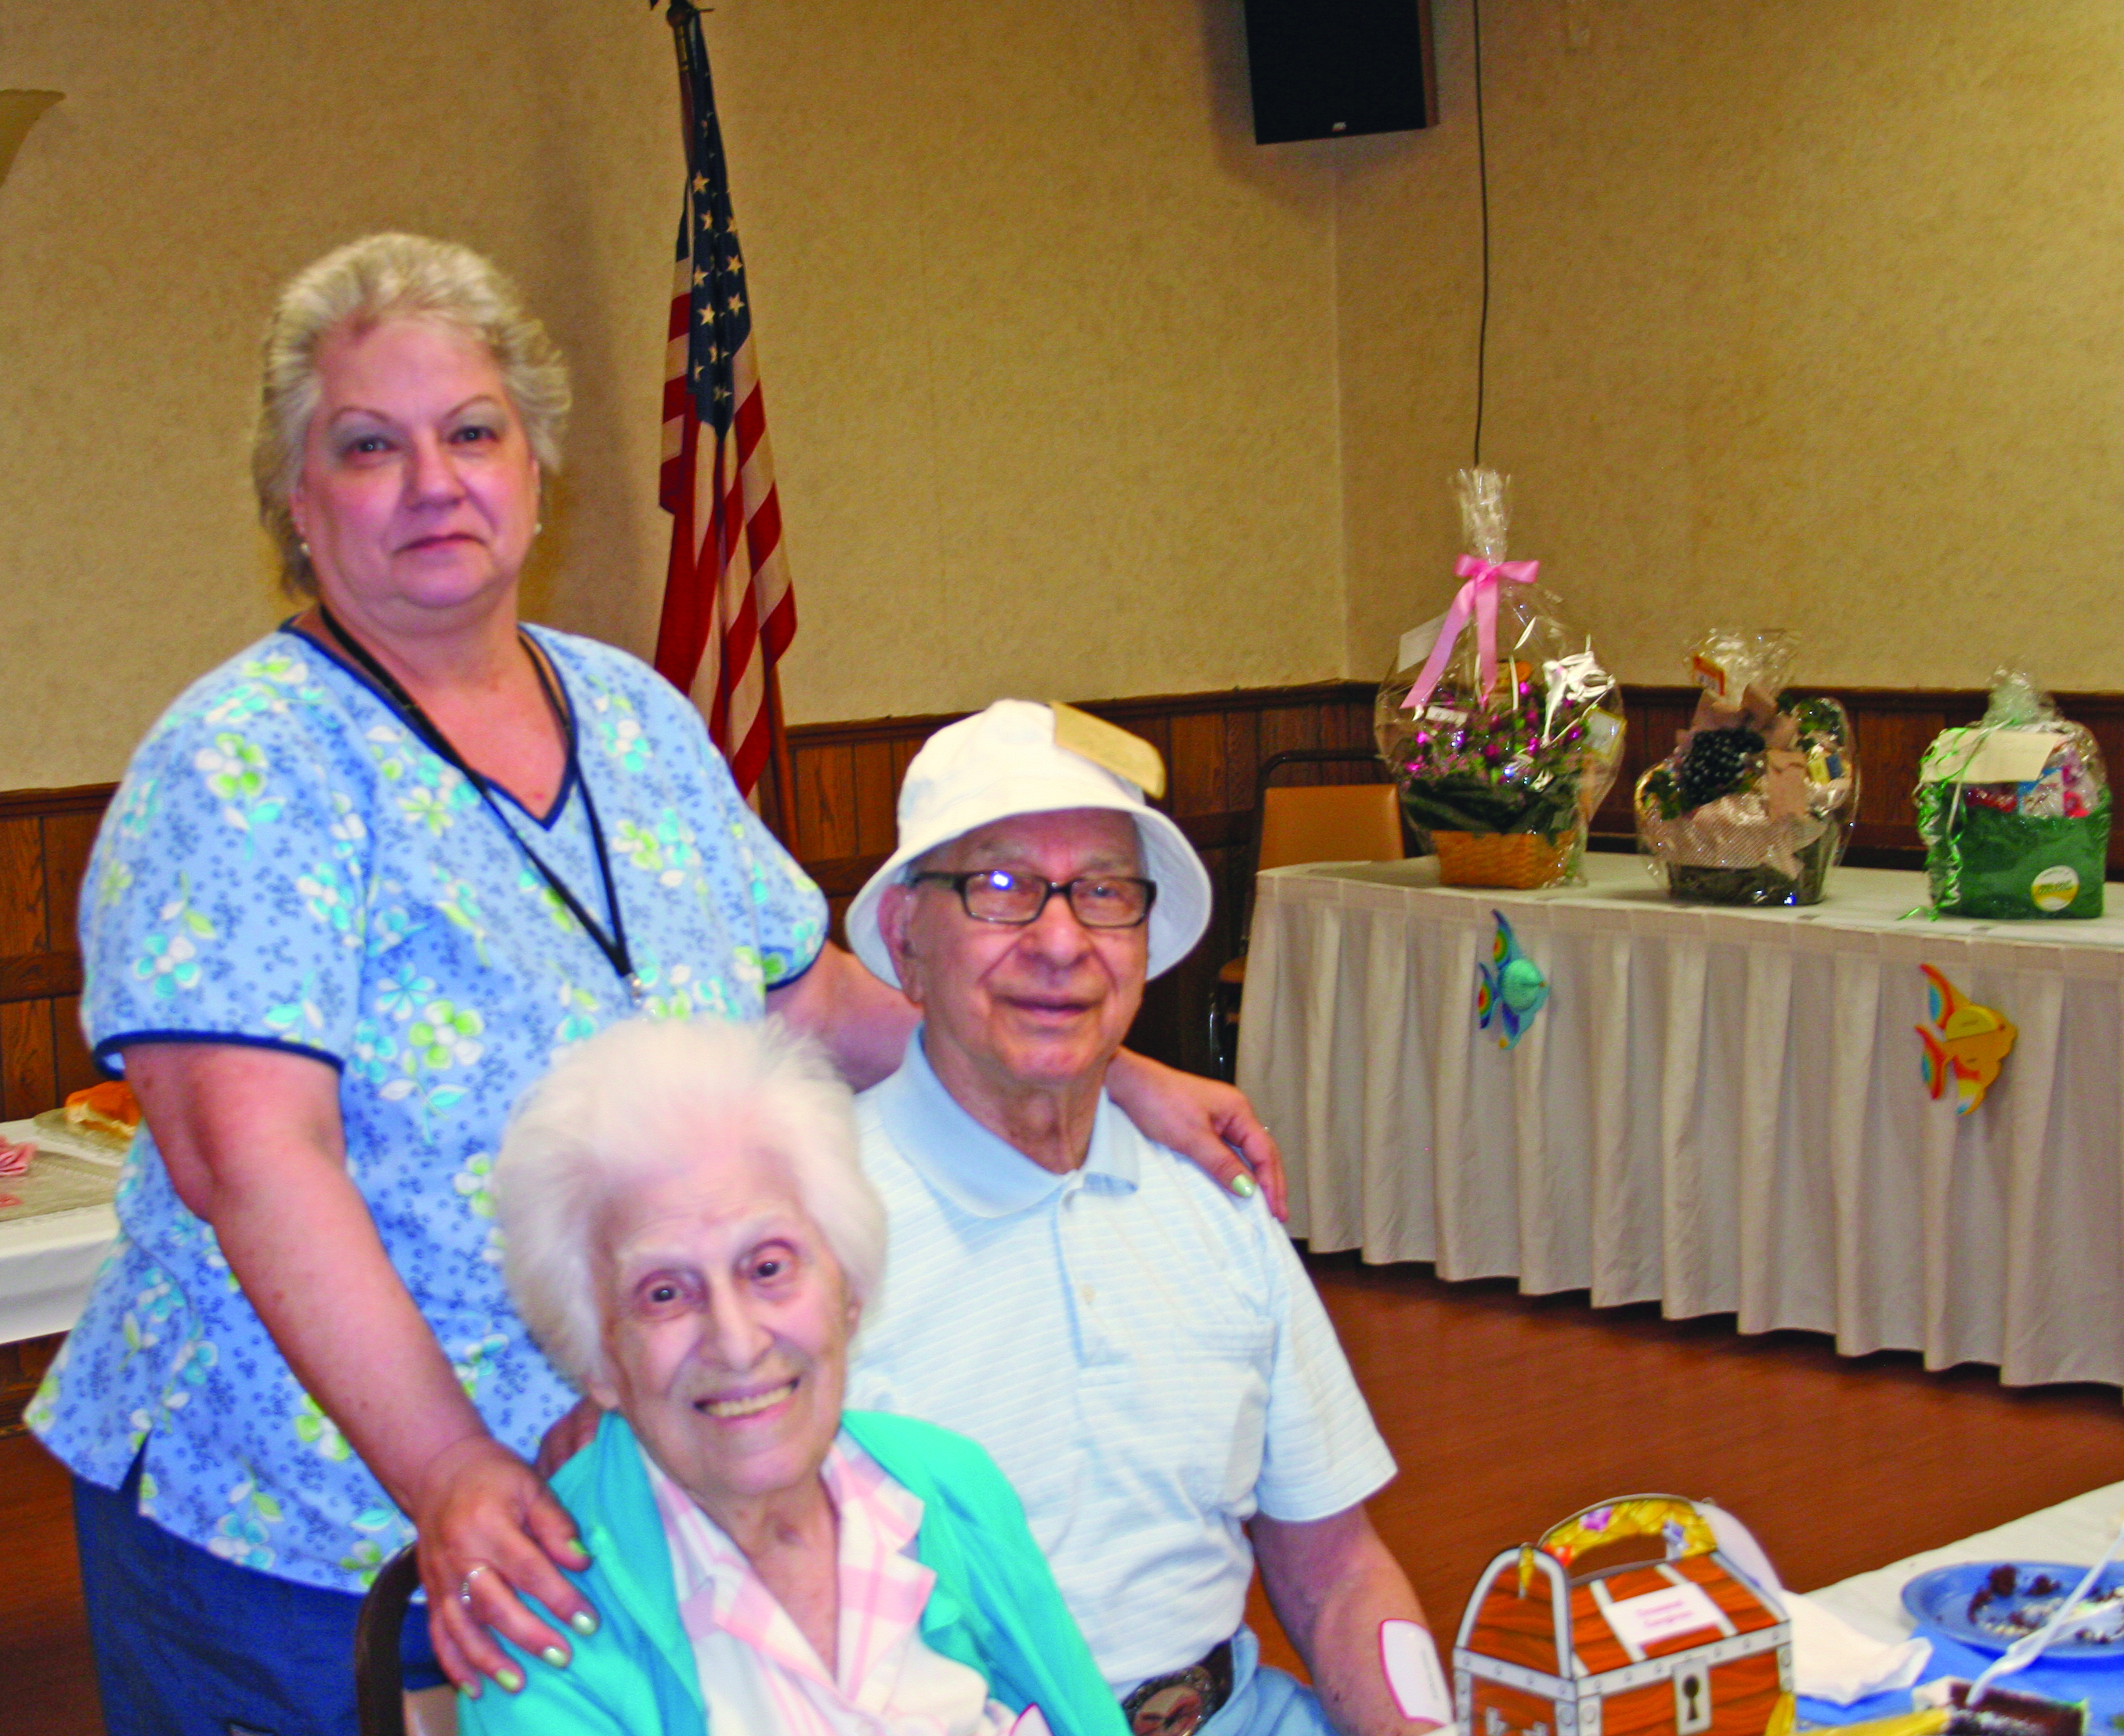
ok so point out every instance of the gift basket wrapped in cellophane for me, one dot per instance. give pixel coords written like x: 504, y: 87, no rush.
x: 1754, y: 805
x: 2014, y: 811
x: 1499, y: 724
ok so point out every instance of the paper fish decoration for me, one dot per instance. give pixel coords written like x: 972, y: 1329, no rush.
x: 1971, y: 1046
x: 1510, y: 989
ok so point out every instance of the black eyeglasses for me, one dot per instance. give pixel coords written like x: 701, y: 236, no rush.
x: 1097, y: 900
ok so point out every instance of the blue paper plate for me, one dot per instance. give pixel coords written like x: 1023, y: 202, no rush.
x: 1941, y: 1599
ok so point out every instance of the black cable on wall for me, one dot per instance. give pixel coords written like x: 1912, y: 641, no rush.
x: 1482, y: 183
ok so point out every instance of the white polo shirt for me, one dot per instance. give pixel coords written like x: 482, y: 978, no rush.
x: 1141, y: 1351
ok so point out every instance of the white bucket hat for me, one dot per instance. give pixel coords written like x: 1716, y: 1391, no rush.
x: 1009, y: 760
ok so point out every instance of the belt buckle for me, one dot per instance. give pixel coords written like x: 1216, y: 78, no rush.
x: 1171, y: 1705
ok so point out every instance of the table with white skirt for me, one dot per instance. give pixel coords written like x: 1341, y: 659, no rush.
x: 49, y: 1256
x: 1719, y: 1108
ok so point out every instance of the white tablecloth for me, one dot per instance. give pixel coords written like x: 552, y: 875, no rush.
x: 1721, y: 1110
x: 48, y: 1263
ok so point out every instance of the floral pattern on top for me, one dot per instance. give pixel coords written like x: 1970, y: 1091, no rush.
x: 287, y: 865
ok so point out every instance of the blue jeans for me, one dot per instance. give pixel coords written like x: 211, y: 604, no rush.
x: 1265, y: 1701
x: 189, y: 1645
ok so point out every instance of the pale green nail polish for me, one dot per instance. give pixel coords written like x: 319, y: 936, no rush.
x: 556, y: 1656
x: 510, y: 1678
x: 583, y: 1622
x: 1243, y: 1186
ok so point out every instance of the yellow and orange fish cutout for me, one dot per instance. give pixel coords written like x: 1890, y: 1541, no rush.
x: 1971, y: 1046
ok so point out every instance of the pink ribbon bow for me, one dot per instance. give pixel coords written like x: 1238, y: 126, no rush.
x: 1477, y: 598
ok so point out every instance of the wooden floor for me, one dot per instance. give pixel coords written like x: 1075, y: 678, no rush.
x: 46, y: 1680
x: 1507, y: 1413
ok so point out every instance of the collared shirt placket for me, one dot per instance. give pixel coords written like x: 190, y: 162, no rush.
x: 1078, y: 1252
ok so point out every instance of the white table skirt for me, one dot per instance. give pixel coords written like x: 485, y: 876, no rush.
x: 48, y: 1263
x: 1719, y: 1108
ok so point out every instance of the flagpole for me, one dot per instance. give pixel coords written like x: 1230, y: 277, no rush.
x: 684, y: 17
x: 784, y: 825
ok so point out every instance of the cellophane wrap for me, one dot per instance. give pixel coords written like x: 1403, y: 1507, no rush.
x: 1535, y: 750
x: 1755, y: 802
x: 2014, y: 811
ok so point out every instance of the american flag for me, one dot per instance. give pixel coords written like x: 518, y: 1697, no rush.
x: 729, y: 611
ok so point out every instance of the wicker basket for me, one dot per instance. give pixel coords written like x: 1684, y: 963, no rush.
x: 1521, y: 860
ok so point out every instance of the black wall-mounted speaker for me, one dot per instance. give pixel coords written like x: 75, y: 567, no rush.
x: 1328, y: 68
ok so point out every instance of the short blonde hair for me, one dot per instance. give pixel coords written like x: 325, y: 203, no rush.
x: 378, y: 278
x: 635, y: 1101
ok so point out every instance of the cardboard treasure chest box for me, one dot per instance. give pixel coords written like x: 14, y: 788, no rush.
x: 1684, y: 1644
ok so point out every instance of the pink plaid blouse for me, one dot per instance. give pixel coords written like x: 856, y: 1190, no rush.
x: 759, y: 1675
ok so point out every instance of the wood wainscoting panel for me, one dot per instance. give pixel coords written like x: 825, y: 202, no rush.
x: 46, y: 835
x: 22, y: 901
x: 23, y: 1366
x: 1891, y: 727
x: 1654, y: 716
x: 847, y: 778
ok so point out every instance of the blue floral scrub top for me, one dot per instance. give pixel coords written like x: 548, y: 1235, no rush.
x: 286, y: 864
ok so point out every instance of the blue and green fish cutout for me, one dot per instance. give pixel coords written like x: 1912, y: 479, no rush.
x: 1510, y: 989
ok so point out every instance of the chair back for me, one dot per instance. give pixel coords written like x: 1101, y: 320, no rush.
x: 378, y: 1682
x: 1330, y: 823
x: 1324, y: 823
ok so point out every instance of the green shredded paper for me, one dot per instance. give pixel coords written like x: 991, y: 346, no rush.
x: 1983, y: 863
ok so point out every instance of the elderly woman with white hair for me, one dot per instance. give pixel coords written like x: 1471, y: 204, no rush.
x: 691, y: 1237
x: 359, y: 884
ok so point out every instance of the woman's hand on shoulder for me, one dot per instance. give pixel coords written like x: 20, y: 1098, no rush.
x: 1205, y: 1120
x: 491, y: 1532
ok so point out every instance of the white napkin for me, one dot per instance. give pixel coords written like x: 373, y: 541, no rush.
x: 1833, y: 1661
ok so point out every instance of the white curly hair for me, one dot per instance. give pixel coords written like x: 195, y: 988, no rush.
x: 631, y: 1102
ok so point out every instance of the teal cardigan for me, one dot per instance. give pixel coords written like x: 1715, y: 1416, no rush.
x: 994, y: 1606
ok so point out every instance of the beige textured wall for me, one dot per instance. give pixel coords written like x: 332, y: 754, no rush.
x: 204, y: 152
x: 1803, y: 312
x: 1050, y: 350
x: 1046, y: 339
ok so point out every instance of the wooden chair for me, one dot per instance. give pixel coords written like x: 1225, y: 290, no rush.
x: 380, y: 1699
x: 1316, y: 822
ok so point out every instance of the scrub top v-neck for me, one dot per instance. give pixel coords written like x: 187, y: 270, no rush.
x: 286, y: 864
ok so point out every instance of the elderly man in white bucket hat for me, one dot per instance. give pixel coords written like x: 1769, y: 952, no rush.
x: 1140, y: 1349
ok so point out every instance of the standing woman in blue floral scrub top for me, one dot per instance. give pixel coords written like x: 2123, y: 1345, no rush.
x: 358, y: 887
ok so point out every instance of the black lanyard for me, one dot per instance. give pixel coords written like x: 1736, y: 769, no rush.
x: 613, y: 945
